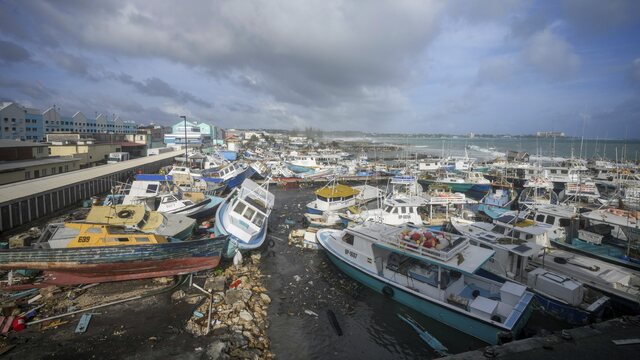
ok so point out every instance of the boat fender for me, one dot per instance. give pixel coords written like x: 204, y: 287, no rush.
x: 271, y: 243
x: 123, y: 214
x: 475, y: 293
x: 334, y: 322
x: 387, y: 290
x: 560, y: 260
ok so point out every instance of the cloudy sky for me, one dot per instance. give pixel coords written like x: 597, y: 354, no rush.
x: 504, y: 66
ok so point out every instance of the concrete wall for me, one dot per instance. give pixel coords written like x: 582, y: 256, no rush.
x: 90, y: 155
x: 30, y: 172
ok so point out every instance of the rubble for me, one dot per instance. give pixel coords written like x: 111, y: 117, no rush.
x: 237, y: 316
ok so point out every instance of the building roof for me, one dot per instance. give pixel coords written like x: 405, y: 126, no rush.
x: 15, y: 143
x: 11, y: 166
x: 10, y: 192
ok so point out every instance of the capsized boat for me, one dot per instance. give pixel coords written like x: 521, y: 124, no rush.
x: 244, y: 215
x: 84, y: 252
x: 433, y: 273
x: 165, y: 196
x: 136, y: 217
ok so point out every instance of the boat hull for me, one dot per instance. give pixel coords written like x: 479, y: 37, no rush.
x: 114, y: 263
x: 478, y: 329
x: 219, y: 229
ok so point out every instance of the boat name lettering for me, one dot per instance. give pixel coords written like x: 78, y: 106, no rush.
x: 350, y: 253
x: 84, y: 239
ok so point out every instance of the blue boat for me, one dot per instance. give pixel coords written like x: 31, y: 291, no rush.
x: 433, y: 273
x: 244, y: 215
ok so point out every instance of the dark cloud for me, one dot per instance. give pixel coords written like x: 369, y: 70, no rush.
x: 157, y: 87
x: 13, y: 53
x: 35, y: 91
x: 602, y: 16
x: 635, y: 71
x: 551, y: 55
x: 621, y: 120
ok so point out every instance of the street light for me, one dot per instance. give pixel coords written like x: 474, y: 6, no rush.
x: 186, y: 147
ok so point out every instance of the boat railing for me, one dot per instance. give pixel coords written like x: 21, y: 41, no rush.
x: 455, y: 246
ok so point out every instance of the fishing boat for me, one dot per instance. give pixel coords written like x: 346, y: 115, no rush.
x: 244, y: 215
x: 404, y: 186
x: 537, y: 191
x: 495, y: 203
x: 433, y: 273
x: 85, y: 252
x: 453, y: 181
x: 480, y: 183
x: 336, y: 197
x: 165, y: 196
x: 557, y: 293
x: 136, y: 217
x: 394, y: 211
x: 230, y: 174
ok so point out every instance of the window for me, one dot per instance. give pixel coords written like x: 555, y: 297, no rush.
x: 94, y: 230
x: 550, y: 220
x: 27, y: 175
x: 403, y: 210
x: 248, y: 214
x: 259, y: 220
x: 36, y: 173
x: 565, y: 222
x: 348, y: 238
x: 540, y: 218
x: 66, y: 168
x: 142, y: 239
x: 44, y: 172
x: 152, y: 188
x: 60, y: 169
x: 240, y: 208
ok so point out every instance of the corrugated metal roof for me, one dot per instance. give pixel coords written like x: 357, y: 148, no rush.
x: 29, y: 187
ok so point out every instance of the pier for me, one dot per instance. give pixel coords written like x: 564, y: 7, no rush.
x: 28, y: 200
x: 616, y: 338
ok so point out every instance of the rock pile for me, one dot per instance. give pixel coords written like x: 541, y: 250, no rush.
x: 238, y: 304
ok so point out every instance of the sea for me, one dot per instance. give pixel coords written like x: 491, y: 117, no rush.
x: 490, y: 148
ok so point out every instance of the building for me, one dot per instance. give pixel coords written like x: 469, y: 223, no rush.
x: 550, y: 134
x: 197, y: 135
x: 517, y: 156
x: 155, y: 135
x: 21, y: 160
x: 23, y: 123
x: 88, y: 151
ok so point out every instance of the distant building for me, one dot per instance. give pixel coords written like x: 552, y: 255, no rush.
x: 21, y: 123
x: 21, y: 160
x: 550, y: 134
x: 197, y: 135
x: 92, y: 152
x: 154, y: 136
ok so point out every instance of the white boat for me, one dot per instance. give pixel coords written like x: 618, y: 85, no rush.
x: 394, y: 211
x: 433, y: 273
x: 165, y: 196
x: 560, y: 295
x: 404, y: 186
x: 537, y: 191
x: 244, y: 215
x: 338, y: 197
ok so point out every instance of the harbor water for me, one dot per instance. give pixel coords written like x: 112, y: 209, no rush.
x: 304, y: 285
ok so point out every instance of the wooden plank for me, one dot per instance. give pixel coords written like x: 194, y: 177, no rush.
x: 83, y: 324
x: 632, y: 341
x: 7, y: 324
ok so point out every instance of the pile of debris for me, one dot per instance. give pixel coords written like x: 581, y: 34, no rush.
x: 234, y: 310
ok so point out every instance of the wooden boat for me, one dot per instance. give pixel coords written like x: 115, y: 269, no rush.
x: 81, y: 253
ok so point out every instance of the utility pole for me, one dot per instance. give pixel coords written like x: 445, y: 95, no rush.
x: 186, y: 147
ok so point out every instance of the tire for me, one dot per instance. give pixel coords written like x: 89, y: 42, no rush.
x: 124, y: 214
x: 387, y: 291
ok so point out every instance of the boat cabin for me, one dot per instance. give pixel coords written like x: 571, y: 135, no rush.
x: 87, y: 234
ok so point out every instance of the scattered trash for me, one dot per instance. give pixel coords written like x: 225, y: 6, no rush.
x: 53, y: 324
x: 235, y: 284
x: 18, y: 324
x: 297, y: 278
x: 309, y: 312
x: 198, y: 314
x: 83, y: 323
x: 632, y: 341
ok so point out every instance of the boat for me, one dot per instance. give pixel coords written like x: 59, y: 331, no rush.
x: 244, y: 215
x: 404, y: 185
x: 230, y: 174
x: 453, y: 181
x: 480, y: 183
x: 537, y: 191
x: 433, y: 273
x: 136, y: 217
x: 495, y: 203
x: 558, y: 294
x: 165, y: 196
x: 336, y: 197
x: 326, y: 219
x: 394, y: 211
x: 84, y: 252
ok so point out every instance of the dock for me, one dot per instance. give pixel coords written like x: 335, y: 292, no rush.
x: 613, y: 339
x: 26, y: 201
